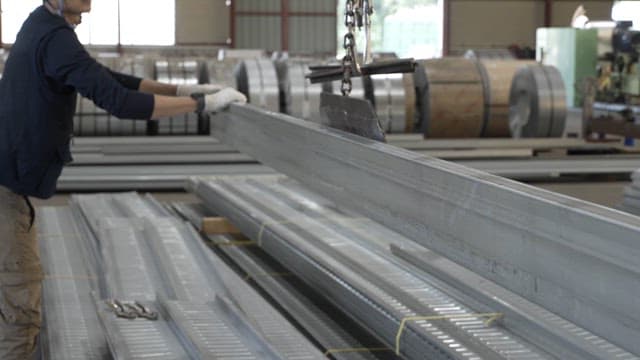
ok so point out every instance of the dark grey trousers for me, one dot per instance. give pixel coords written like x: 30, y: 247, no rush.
x: 20, y: 278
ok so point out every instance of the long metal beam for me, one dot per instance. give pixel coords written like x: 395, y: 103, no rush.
x: 575, y: 258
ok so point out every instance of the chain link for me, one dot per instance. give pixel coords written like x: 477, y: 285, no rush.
x: 349, y: 61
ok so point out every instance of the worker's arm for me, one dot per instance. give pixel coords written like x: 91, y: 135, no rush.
x: 158, y: 88
x: 66, y: 61
x: 172, y: 105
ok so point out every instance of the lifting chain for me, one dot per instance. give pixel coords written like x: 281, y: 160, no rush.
x: 357, y: 14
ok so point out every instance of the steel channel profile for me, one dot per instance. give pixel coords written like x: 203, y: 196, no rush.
x: 71, y: 329
x: 525, y: 319
x: 537, y: 102
x: 169, y: 258
x: 168, y: 177
x: 343, y: 340
x: 488, y: 224
x: 316, y: 316
x: 529, y: 321
x: 310, y: 227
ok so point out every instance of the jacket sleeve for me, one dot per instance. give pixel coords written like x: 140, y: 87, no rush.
x: 128, y: 81
x: 66, y: 61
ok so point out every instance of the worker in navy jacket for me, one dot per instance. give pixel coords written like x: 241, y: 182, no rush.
x: 46, y: 68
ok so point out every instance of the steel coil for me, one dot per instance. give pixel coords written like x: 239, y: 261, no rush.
x: 178, y: 72
x: 395, y: 102
x: 258, y: 80
x: 537, y: 102
x: 497, y: 77
x: 91, y: 120
x: 303, y: 97
x: 220, y: 72
x: 451, y: 98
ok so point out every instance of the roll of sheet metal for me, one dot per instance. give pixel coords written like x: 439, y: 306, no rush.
x: 258, y: 80
x: 304, y: 97
x: 220, y: 72
x: 395, y: 102
x: 178, y: 72
x: 537, y: 102
x: 91, y: 120
x: 451, y: 98
x: 498, y: 76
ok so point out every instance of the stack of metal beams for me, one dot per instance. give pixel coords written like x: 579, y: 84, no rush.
x: 512, y: 234
x: 631, y: 201
x: 165, y: 163
x: 127, y: 248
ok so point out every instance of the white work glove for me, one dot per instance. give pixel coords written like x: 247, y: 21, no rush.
x: 222, y: 99
x: 188, y: 90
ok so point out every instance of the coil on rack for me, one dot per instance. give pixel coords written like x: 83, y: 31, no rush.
x: 301, y: 98
x: 91, y: 120
x: 179, y: 72
x: 537, y: 102
x: 258, y: 80
x: 465, y: 98
x: 219, y: 72
x: 395, y: 102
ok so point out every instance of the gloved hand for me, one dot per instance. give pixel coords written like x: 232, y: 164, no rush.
x: 222, y: 99
x: 188, y: 90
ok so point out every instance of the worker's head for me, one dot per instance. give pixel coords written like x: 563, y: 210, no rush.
x: 71, y: 10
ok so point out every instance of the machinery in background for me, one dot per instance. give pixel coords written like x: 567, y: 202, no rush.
x: 600, y: 67
x: 618, y: 73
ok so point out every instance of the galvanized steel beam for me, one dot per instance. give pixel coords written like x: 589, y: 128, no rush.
x: 574, y: 258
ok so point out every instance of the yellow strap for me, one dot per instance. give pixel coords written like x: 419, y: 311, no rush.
x: 353, y: 350
x: 492, y: 317
x: 267, y: 274
x: 234, y: 243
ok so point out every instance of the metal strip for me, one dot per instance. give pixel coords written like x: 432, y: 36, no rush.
x: 71, y: 330
x: 511, y: 233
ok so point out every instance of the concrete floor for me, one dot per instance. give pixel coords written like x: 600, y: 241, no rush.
x: 603, y: 193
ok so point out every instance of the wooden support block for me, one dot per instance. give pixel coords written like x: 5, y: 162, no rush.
x: 218, y: 226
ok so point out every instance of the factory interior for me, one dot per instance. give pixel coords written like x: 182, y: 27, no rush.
x: 409, y: 179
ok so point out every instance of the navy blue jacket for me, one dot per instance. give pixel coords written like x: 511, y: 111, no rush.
x: 46, y: 68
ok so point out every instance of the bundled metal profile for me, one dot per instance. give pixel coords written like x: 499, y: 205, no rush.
x: 488, y: 224
x: 341, y: 338
x: 332, y: 251
x: 155, y: 259
x: 71, y: 329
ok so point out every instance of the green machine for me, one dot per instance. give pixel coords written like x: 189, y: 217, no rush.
x: 574, y: 52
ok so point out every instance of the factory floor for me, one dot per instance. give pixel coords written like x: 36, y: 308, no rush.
x: 603, y: 193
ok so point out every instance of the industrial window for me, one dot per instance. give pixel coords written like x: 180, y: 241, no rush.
x: 409, y: 28
x: 100, y: 26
